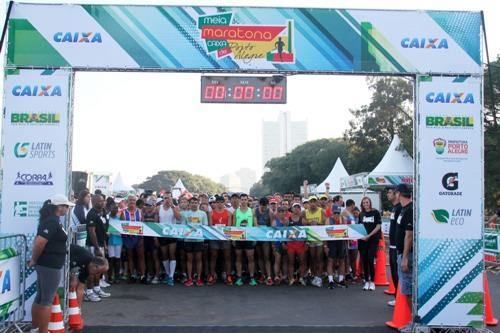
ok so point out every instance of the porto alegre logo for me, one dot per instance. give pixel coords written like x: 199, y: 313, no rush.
x: 456, y: 218
x: 424, y: 43
x: 77, y: 37
x: 439, y: 144
x: 37, y: 91
x: 273, y: 43
x: 437, y: 121
x: 450, y: 98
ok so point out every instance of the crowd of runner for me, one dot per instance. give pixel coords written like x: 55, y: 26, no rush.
x: 162, y: 260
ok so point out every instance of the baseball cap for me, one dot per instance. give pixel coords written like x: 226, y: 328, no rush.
x: 305, y: 200
x: 323, y: 197
x: 313, y: 197
x: 273, y: 201
x: 403, y: 188
x: 60, y: 199
x: 150, y: 202
x: 219, y: 198
x: 296, y: 205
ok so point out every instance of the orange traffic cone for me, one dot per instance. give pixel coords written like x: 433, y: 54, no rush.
x: 75, y: 318
x: 380, y: 264
x: 489, y: 319
x: 56, y: 324
x: 391, y: 290
x: 402, y: 312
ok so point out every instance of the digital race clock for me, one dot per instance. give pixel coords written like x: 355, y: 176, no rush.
x: 243, y: 89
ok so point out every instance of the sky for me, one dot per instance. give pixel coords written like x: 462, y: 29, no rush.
x: 140, y: 123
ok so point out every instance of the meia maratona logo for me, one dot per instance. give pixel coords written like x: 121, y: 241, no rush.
x: 272, y: 43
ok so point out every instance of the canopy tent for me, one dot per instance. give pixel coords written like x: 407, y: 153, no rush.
x: 338, y: 171
x: 396, y: 167
x: 179, y: 189
x: 119, y: 185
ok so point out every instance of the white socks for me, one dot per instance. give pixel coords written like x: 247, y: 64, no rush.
x: 341, y: 278
x: 330, y: 278
x: 171, y: 272
x: 166, y: 266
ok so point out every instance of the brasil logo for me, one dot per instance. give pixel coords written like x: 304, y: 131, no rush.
x: 132, y: 229
x: 271, y: 43
x: 234, y: 234
x: 336, y: 233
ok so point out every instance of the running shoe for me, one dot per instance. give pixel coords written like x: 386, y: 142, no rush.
x: 184, y: 278
x: 102, y: 294
x: 91, y: 297
x: 188, y: 283
x: 277, y: 281
x: 372, y: 286
x: 342, y: 284
x: 392, y: 303
x: 317, y: 282
x: 366, y: 286
x: 262, y: 279
x: 104, y: 284
x: 165, y: 280
x: 170, y: 282
x: 291, y: 282
x: 331, y: 285
x: 229, y: 280
x: 211, y: 280
x: 144, y: 279
x: 199, y: 283
x: 155, y: 280
x: 302, y: 282
x: 132, y: 279
x: 252, y: 282
x: 239, y: 282
x: 269, y: 281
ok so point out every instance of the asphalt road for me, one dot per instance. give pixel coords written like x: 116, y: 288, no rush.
x: 219, y: 308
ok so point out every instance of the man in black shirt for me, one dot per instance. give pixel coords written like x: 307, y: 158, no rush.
x: 83, y: 263
x: 393, y: 255
x: 404, y: 241
x: 96, y: 222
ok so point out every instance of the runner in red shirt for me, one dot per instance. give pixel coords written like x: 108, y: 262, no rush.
x: 220, y: 217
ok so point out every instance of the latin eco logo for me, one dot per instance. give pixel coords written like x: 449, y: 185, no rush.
x: 24, y: 208
x: 77, y: 37
x: 273, y: 43
x: 35, y: 150
x: 456, y: 218
x: 449, y: 122
x: 424, y: 43
x: 37, y: 91
x: 450, y: 98
x: 44, y: 179
x: 35, y: 118
x: 451, y: 147
x: 450, y: 184
x: 21, y: 149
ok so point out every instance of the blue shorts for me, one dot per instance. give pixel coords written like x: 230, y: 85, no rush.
x: 406, y: 278
x: 130, y: 242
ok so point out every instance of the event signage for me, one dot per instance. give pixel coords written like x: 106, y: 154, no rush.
x: 450, y: 258
x: 10, y: 263
x: 201, y: 232
x: 276, y: 40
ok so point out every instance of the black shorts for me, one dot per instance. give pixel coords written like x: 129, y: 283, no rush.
x: 191, y: 247
x: 149, y: 244
x: 167, y: 241
x: 337, y: 249
x: 244, y: 245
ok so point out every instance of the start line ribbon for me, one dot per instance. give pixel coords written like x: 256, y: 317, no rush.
x: 271, y: 234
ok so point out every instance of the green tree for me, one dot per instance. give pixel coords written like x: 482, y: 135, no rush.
x: 389, y: 112
x: 165, y: 180
x: 312, y: 161
x: 492, y: 134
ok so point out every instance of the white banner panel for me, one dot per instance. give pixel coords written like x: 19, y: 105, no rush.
x: 450, y: 201
x: 9, y: 284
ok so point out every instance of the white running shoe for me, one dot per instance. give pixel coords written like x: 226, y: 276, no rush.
x: 104, y: 284
x: 372, y: 286
x: 392, y: 303
x: 91, y: 297
x: 155, y: 280
x: 316, y: 282
x: 366, y: 286
x: 102, y: 293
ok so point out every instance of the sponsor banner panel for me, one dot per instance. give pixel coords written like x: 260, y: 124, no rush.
x: 244, y: 38
x: 34, y: 143
x: 10, y: 276
x: 449, y: 197
x: 192, y: 231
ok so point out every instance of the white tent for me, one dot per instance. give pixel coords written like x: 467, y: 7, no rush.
x: 119, y: 185
x: 396, y: 167
x: 338, y: 171
x: 179, y: 189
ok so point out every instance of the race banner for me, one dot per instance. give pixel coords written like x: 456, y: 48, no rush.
x: 271, y: 234
x: 10, y: 276
x: 492, y: 241
x: 193, y: 38
x: 449, y: 201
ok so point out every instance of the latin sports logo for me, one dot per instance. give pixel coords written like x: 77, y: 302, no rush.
x: 424, y: 43
x: 21, y: 149
x: 233, y: 234
x: 35, y: 118
x: 35, y: 150
x: 132, y: 229
x: 450, y: 98
x: 449, y: 122
x: 77, y: 37
x: 37, y: 91
x: 337, y: 233
x: 273, y: 43
x: 456, y: 218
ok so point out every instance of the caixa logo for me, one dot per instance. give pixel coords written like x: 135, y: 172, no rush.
x: 424, y: 43
x: 450, y: 98
x: 77, y: 37
x: 37, y: 91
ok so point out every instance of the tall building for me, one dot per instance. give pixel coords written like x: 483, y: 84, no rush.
x: 282, y: 136
x: 241, y: 181
x: 231, y: 182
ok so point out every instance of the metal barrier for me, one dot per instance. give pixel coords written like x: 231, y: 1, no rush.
x: 13, y: 258
x: 492, y: 245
